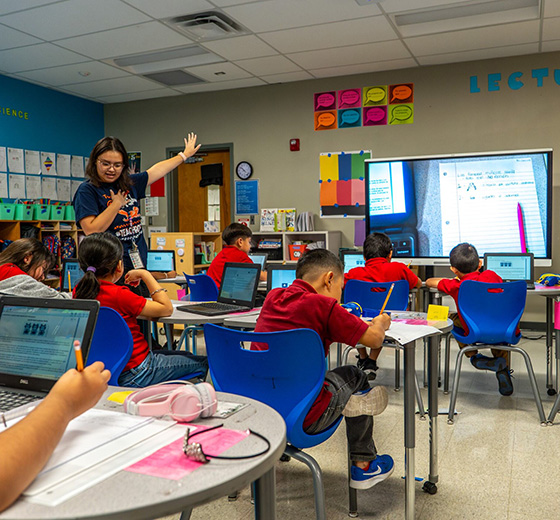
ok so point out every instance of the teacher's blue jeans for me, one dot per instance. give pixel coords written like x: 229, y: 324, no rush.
x: 163, y: 366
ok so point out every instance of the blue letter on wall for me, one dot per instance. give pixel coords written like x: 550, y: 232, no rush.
x: 474, y: 84
x: 539, y: 74
x: 493, y: 82
x: 514, y: 82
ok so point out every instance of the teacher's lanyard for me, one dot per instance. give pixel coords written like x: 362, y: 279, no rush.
x: 134, y: 252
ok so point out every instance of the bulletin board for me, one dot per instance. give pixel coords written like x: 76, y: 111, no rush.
x: 342, y: 184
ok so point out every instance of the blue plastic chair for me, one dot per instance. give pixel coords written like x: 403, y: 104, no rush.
x: 111, y: 343
x: 202, y: 288
x: 491, y: 312
x: 272, y: 377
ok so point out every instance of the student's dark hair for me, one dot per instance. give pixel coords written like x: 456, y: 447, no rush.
x: 102, y: 251
x: 464, y: 258
x: 16, y: 252
x: 109, y: 144
x: 377, y: 245
x: 234, y: 231
x: 316, y: 262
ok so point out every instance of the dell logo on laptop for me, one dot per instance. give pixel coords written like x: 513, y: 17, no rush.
x: 23, y: 382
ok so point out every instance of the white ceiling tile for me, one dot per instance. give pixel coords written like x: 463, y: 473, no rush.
x: 364, y: 68
x: 74, y: 17
x: 37, y: 57
x: 480, y: 54
x: 268, y: 65
x: 287, y: 77
x: 325, y: 36
x: 286, y: 14
x: 135, y: 96
x: 69, y: 74
x: 551, y: 8
x: 128, y: 40
x: 471, y: 39
x: 111, y: 87
x: 240, y: 48
x: 551, y: 28
x: 226, y: 3
x: 11, y: 6
x: 551, y: 46
x: 166, y: 8
x: 397, y: 6
x: 208, y: 72
x: 222, y: 85
x: 10, y: 38
x: 351, y: 55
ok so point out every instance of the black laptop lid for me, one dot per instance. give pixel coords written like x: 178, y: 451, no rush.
x: 511, y: 267
x: 280, y: 276
x: 37, y: 339
x: 239, y: 284
x: 71, y: 266
x: 160, y: 261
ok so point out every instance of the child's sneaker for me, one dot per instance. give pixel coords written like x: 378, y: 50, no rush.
x: 505, y: 385
x: 369, y: 366
x: 377, y: 471
x: 496, y: 364
x: 371, y: 402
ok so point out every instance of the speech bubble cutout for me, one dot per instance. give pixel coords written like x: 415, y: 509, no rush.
x: 348, y: 118
x: 374, y: 96
x: 375, y: 116
x: 325, y: 100
x: 325, y: 120
x: 401, y: 93
x: 401, y: 114
x: 349, y: 98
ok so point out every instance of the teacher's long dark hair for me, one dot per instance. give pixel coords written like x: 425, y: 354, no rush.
x: 109, y: 144
x: 102, y: 252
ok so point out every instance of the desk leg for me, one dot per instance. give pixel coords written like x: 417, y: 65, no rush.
x: 169, y: 335
x: 265, y: 496
x: 549, y: 329
x: 433, y: 365
x: 186, y: 514
x: 557, y: 351
x: 409, y: 429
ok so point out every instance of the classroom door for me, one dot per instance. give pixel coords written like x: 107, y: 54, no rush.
x: 192, y: 200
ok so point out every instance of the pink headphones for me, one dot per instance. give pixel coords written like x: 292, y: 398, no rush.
x: 181, y: 400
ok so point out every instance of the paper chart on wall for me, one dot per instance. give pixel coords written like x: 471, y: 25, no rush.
x: 464, y: 212
x: 77, y: 166
x: 16, y: 186
x: 74, y: 187
x: 63, y: 164
x: 15, y: 160
x: 48, y: 163
x: 3, y: 159
x: 4, y: 185
x: 34, y: 187
x: 49, y: 188
x: 63, y: 188
x: 32, y: 162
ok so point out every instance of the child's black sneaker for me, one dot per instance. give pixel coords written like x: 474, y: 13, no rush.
x: 505, y: 384
x: 496, y: 364
x: 369, y: 366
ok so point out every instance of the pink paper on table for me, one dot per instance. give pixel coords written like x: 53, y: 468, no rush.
x: 171, y: 463
x: 414, y: 321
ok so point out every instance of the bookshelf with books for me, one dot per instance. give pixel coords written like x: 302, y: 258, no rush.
x: 280, y: 244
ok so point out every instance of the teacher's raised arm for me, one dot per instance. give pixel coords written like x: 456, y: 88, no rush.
x: 162, y: 168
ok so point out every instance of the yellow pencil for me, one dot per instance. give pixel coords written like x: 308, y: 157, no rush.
x: 387, y: 298
x: 69, y: 282
x: 79, y: 358
x: 409, y: 263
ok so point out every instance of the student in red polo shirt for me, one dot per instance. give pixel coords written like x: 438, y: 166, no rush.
x: 312, y: 301
x: 378, y: 252
x: 237, y: 243
x: 465, y: 265
x: 100, y: 257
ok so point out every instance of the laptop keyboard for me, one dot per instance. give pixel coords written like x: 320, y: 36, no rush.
x: 224, y: 307
x: 10, y: 400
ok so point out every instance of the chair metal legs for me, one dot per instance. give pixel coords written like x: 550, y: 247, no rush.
x: 554, y: 410
x: 189, y: 330
x: 530, y: 373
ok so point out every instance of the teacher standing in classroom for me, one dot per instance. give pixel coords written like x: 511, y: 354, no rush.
x: 109, y: 199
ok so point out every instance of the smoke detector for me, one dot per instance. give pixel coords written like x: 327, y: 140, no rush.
x: 208, y: 25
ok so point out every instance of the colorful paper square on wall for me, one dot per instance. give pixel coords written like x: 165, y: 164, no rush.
x: 375, y: 116
x: 349, y: 118
x: 403, y: 93
x: 401, y: 114
x: 350, y: 98
x: 324, y: 101
x: 374, y: 96
x: 325, y: 120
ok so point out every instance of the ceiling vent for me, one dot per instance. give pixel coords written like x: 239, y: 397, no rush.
x: 172, y: 78
x: 209, y: 25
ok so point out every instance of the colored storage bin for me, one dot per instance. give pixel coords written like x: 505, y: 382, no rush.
x: 41, y: 212
x: 69, y: 213
x: 7, y: 211
x: 58, y: 212
x: 24, y: 212
x: 296, y: 250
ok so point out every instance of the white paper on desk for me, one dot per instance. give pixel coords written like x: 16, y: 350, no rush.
x: 49, y: 188
x: 32, y: 162
x: 77, y: 166
x: 405, y: 333
x: 16, y: 186
x: 3, y: 159
x: 63, y: 189
x: 34, y: 187
x: 15, y: 160
x: 63, y: 164
x: 48, y: 163
x: 4, y: 185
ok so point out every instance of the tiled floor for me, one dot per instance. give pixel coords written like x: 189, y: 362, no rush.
x: 496, y: 462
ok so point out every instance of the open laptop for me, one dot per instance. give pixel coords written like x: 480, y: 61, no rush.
x: 237, y: 292
x: 352, y: 259
x: 37, y: 344
x: 512, y: 266
x: 70, y: 266
x: 160, y: 261
x: 280, y: 276
x: 259, y: 258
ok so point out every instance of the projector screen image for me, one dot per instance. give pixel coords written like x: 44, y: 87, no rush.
x: 499, y: 202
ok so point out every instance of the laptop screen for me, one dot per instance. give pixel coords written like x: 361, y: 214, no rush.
x: 73, y: 267
x: 258, y: 258
x: 281, y: 278
x: 352, y: 260
x: 510, y: 267
x: 239, y: 282
x: 162, y: 261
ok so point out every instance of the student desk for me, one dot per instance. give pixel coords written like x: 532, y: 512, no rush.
x: 248, y: 322
x: 128, y: 495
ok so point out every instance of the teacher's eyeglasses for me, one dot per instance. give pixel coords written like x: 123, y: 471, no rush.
x: 107, y: 165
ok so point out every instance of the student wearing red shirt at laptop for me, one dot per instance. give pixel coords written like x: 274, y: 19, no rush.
x: 312, y: 302
x: 237, y: 243
x: 378, y: 253
x: 465, y: 265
